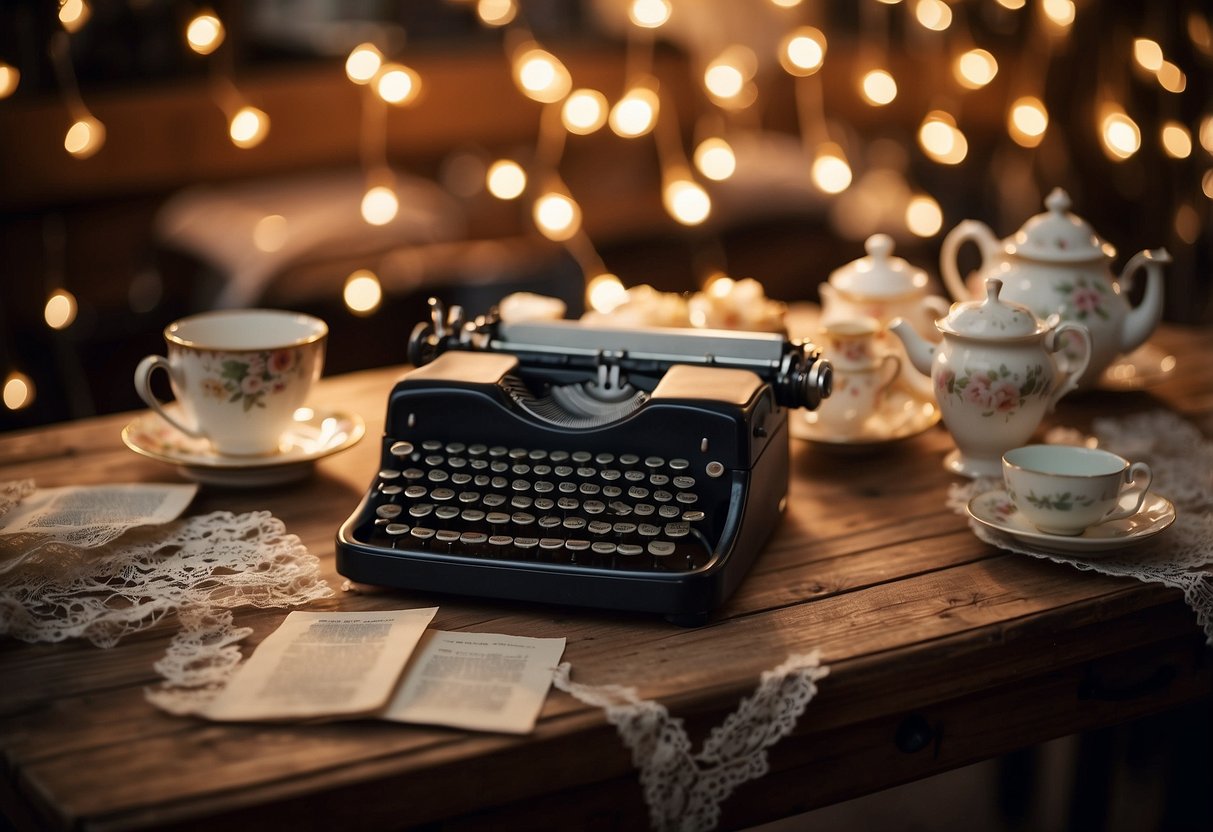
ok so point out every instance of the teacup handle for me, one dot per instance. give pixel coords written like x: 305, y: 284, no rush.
x: 1137, y: 469
x: 1053, y: 343
x: 143, y: 386
x: 890, y: 368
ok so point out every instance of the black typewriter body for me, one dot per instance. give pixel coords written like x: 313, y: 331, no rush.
x: 537, y: 464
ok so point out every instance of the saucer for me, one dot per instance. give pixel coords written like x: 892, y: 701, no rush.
x: 995, y: 510
x: 1144, y: 367
x: 900, y: 416
x: 313, y: 435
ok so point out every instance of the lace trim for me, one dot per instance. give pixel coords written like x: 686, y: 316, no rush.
x: 684, y: 790
x: 1182, y: 463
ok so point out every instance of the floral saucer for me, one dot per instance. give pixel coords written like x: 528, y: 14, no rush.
x: 995, y: 510
x: 1144, y: 367
x: 314, y: 434
x: 900, y: 416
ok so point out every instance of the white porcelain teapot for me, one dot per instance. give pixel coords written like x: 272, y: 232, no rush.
x: 1056, y: 264
x: 994, y: 375
x: 883, y: 287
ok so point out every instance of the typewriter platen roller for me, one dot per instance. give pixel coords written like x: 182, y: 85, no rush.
x: 624, y: 469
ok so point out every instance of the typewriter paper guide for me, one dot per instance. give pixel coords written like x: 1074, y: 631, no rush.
x: 735, y: 387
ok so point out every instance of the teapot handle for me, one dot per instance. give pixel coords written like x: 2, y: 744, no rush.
x: 1073, y: 371
x: 973, y: 230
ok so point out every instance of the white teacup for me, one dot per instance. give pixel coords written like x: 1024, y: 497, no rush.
x: 238, y: 375
x: 856, y: 396
x: 1064, y: 489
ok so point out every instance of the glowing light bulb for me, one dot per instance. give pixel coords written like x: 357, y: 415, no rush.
x: 10, y: 76
x: 506, y: 179
x: 878, y: 87
x: 1012, y: 4
x: 714, y: 158
x: 830, y: 171
x: 940, y: 139
x: 975, y: 68
x: 18, y: 390
x: 496, y: 12
x: 362, y: 293
x: 363, y: 63
x: 649, y: 14
x: 1187, y: 223
x: 933, y: 14
x: 635, y: 114
x: 803, y: 51
x: 606, y: 293
x: 785, y: 4
x: 398, y: 84
x: 73, y: 14
x: 686, y: 201
x: 1061, y: 12
x: 1148, y: 54
x: 1176, y: 140
x: 1120, y: 134
x: 60, y: 309
x: 1171, y: 78
x: 540, y: 76
x: 723, y: 80
x: 1027, y: 121
x: 1206, y: 183
x: 584, y: 112
x: 1206, y: 133
x: 84, y: 138
x: 924, y: 217
x: 379, y: 205
x: 270, y: 233
x: 204, y: 33
x: 248, y: 127
x: 557, y: 216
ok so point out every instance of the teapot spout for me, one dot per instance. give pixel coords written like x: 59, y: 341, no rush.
x: 919, y: 350
x: 1143, y: 319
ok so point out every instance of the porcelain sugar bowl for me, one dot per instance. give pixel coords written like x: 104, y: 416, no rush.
x: 883, y: 287
x: 995, y: 375
x: 1057, y: 264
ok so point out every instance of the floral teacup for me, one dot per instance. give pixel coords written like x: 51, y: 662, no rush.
x: 238, y: 375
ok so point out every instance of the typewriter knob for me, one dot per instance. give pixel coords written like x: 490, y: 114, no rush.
x: 423, y: 345
x: 804, y: 379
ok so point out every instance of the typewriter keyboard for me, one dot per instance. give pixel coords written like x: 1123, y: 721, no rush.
x: 616, y: 511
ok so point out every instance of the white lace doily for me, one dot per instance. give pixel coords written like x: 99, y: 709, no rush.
x: 684, y: 790
x: 1182, y: 463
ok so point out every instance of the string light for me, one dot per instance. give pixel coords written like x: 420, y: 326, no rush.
x: 830, y: 170
x: 1027, y: 121
x: 363, y: 63
x: 557, y: 216
x: 73, y: 14
x: 606, y: 293
x: 18, y: 390
x: 496, y: 12
x: 878, y: 87
x: 1187, y: 223
x: 933, y: 14
x: 974, y: 69
x: 248, y: 127
x: 85, y: 137
x: 204, y: 33
x: 1120, y: 134
x: 1013, y: 5
x: 635, y: 114
x: 362, y: 293
x: 380, y: 205
x: 505, y: 179
x: 10, y: 76
x: 1206, y: 183
x: 1171, y: 78
x: 1148, y: 54
x: 803, y: 51
x: 785, y: 4
x: 1206, y: 133
x: 270, y: 233
x: 1060, y: 12
x: 649, y: 14
x: 685, y: 200
x: 1176, y: 140
x: 924, y: 217
x: 584, y: 112
x: 540, y: 75
x: 397, y: 84
x: 941, y: 140
x: 714, y: 158
x: 60, y: 309
x: 728, y: 78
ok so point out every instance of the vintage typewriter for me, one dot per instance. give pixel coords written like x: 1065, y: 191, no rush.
x: 625, y: 469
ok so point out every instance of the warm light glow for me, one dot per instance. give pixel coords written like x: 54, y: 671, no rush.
x: 1176, y: 140
x: 1012, y: 4
x: 248, y: 127
x: 1171, y: 78
x: 398, y: 84
x: 60, y: 309
x: 649, y: 14
x: 1148, y: 54
x: 379, y: 205
x: 1028, y: 121
x: 723, y: 80
x: 785, y: 4
x: 714, y: 158
x: 270, y: 233
x: 1206, y: 183
x: 18, y: 391
x: 1060, y: 12
x: 557, y: 216
x: 933, y: 14
x: 1200, y: 33
x: 803, y: 51
x: 204, y: 33
x: 831, y: 172
x: 540, y: 76
x: 362, y: 292
x: 73, y: 14
x: 878, y: 87
x: 364, y: 63
x: 975, y: 68
x: 1206, y: 133
x: 924, y: 217
x: 634, y: 114
x: 506, y: 179
x: 1187, y: 223
x: 941, y: 140
x: 719, y: 285
x: 686, y: 201
x: 584, y: 112
x: 496, y: 12
x: 1121, y: 135
x: 84, y: 138
x: 606, y: 293
x: 10, y: 76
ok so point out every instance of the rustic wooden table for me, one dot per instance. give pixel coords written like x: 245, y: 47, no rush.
x: 942, y: 651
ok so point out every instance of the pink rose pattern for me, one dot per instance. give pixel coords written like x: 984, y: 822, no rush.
x: 995, y: 391
x: 251, y: 377
x: 1082, y: 298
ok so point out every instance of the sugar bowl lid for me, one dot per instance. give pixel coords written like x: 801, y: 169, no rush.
x: 1058, y: 235
x: 880, y: 274
x: 992, y: 318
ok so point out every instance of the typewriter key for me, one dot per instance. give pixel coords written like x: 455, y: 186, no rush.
x: 521, y: 518
x: 518, y: 453
x: 521, y: 501
x: 661, y: 548
x: 620, y: 508
x: 544, y: 487
x: 419, y: 509
x: 500, y: 540
x: 549, y: 521
x: 526, y: 543
x: 611, y: 491
x: 677, y: 529
x: 455, y: 447
x: 573, y: 522
x: 582, y: 457
x: 558, y: 456
x: 388, y: 511
x: 395, y: 531
x: 494, y: 500
x: 679, y: 464
x: 401, y: 449
x: 473, y: 538
x: 437, y: 475
x: 477, y: 450
x: 687, y: 498
x: 643, y: 509
x: 693, y: 516
x: 551, y: 543
x: 598, y: 527
x: 414, y: 492
x: 442, y: 494
x: 624, y: 529
x: 421, y: 533
x: 497, y: 518
x: 603, y: 547
x: 446, y: 512
x: 567, y: 504
x: 629, y: 550
x: 413, y: 473
x: 388, y: 474
x: 434, y: 460
x: 471, y: 515
x: 543, y: 503
x: 390, y: 491
x: 604, y: 459
x: 628, y: 459
x: 684, y: 482
x: 653, y: 462
x: 659, y: 480
x: 662, y: 496
x: 499, y: 467
x: 669, y: 512
x: 456, y: 462
x: 431, y: 445
x: 593, y: 507
x: 469, y: 496
x: 461, y: 478
x: 648, y: 530
x: 537, y: 454
x: 447, y: 536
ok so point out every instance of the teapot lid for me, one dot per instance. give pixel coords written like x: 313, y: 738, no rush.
x: 880, y: 274
x: 1058, y: 235
x: 992, y: 317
